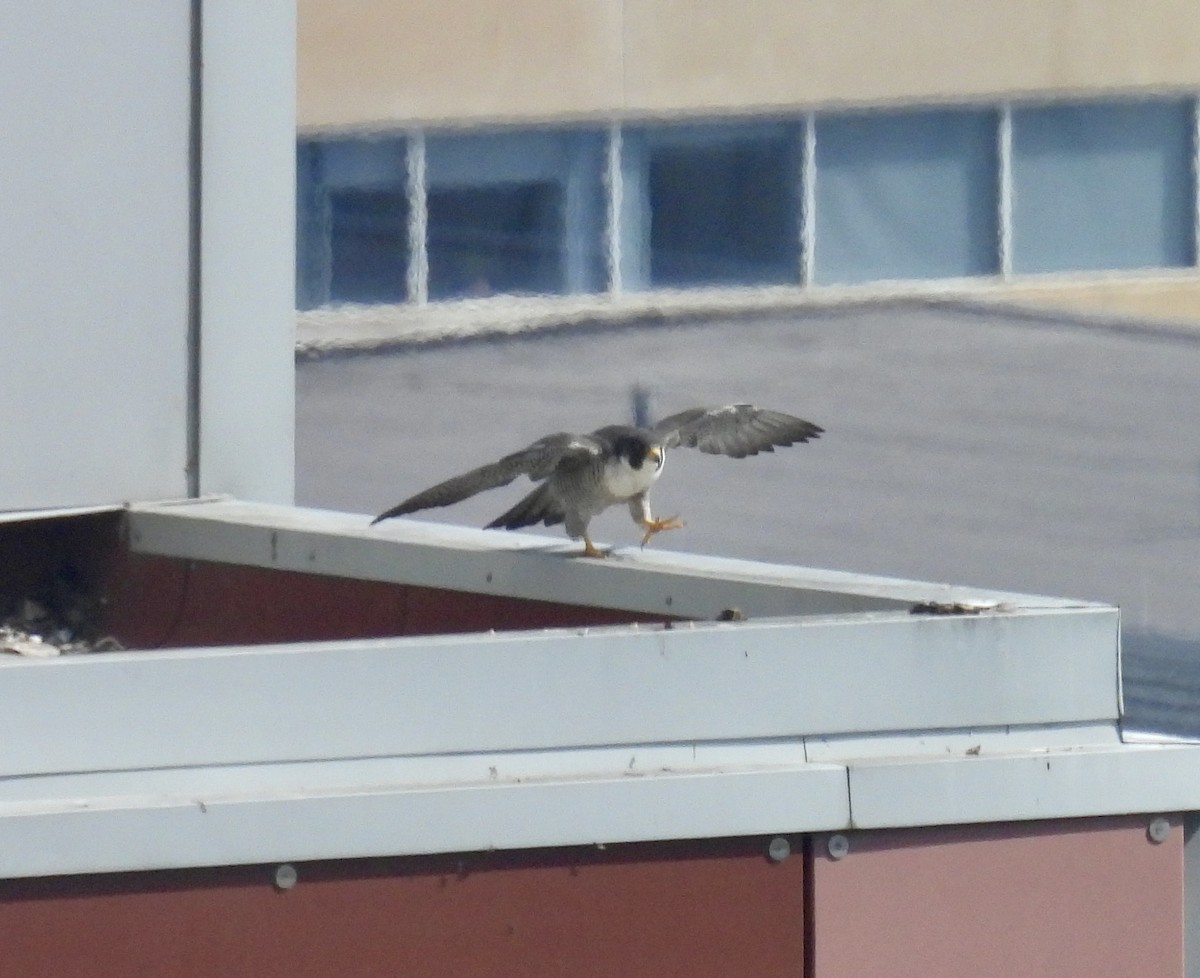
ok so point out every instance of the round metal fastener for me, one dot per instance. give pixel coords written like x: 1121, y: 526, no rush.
x: 286, y: 876
x: 838, y: 846
x: 779, y: 849
x: 1159, y: 830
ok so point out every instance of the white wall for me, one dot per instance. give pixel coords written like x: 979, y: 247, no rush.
x: 96, y: 288
x: 94, y: 236
x: 248, y: 251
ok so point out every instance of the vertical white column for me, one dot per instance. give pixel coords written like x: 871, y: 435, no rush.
x: 808, y: 200
x: 1004, y: 200
x: 628, y: 180
x: 247, y: 250
x: 614, y: 183
x: 418, y: 220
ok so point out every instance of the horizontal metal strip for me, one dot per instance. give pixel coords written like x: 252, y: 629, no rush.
x: 105, y: 834
x: 556, y: 689
x: 1029, y: 785
x: 193, y: 832
x: 523, y: 566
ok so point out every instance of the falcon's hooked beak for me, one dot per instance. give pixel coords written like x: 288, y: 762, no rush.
x: 655, y: 453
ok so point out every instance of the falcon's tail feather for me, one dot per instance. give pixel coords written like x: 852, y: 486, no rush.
x: 539, y: 506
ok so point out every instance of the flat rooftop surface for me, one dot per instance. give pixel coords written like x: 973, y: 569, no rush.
x: 966, y: 445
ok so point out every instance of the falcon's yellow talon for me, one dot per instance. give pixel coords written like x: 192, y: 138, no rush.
x: 657, y: 526
x: 590, y: 549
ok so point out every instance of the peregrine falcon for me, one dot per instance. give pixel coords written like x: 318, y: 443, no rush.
x: 580, y: 476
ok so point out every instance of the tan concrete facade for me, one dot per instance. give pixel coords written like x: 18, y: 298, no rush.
x: 383, y: 63
x: 368, y: 65
x: 1173, y: 299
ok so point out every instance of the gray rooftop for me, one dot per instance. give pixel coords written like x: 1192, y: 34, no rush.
x: 999, y: 449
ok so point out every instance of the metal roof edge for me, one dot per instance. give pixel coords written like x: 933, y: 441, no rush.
x: 523, y: 565
x: 192, y: 826
x: 832, y: 707
x: 60, y: 512
x: 1035, y: 784
x: 176, y: 832
x: 562, y: 688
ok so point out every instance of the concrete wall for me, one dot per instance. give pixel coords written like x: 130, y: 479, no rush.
x: 378, y: 64
x: 94, y: 285
x: 147, y: 280
x: 381, y: 63
x: 1174, y: 299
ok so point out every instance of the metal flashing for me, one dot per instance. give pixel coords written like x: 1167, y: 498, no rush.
x: 965, y: 742
x: 1030, y: 784
x: 827, y: 704
x: 32, y: 515
x: 118, y: 834
x: 556, y: 689
x: 496, y: 562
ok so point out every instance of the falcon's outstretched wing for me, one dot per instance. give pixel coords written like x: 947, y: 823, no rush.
x: 537, y: 461
x: 736, y: 430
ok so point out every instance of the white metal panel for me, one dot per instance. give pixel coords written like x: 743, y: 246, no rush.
x: 485, y: 562
x: 104, y: 823
x: 31, y: 515
x: 948, y: 743
x: 108, y: 835
x: 94, y: 192
x: 1060, y: 783
x: 556, y: 689
x: 247, y: 261
x: 280, y: 780
x: 496, y: 562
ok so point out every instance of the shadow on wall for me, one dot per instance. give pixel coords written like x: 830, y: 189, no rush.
x: 1161, y: 683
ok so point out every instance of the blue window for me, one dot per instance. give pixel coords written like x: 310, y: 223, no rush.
x: 515, y: 212
x: 352, y: 222
x: 906, y: 195
x: 1102, y: 186
x: 723, y: 204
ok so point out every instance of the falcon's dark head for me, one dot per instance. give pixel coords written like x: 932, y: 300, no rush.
x: 635, y: 448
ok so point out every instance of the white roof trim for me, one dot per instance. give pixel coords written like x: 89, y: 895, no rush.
x: 97, y: 832
x: 831, y: 708
x: 31, y: 515
x: 1065, y: 783
x: 522, y: 565
x: 557, y: 689
x: 108, y: 835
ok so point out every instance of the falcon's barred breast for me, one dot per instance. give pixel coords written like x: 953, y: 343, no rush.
x: 580, y: 476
